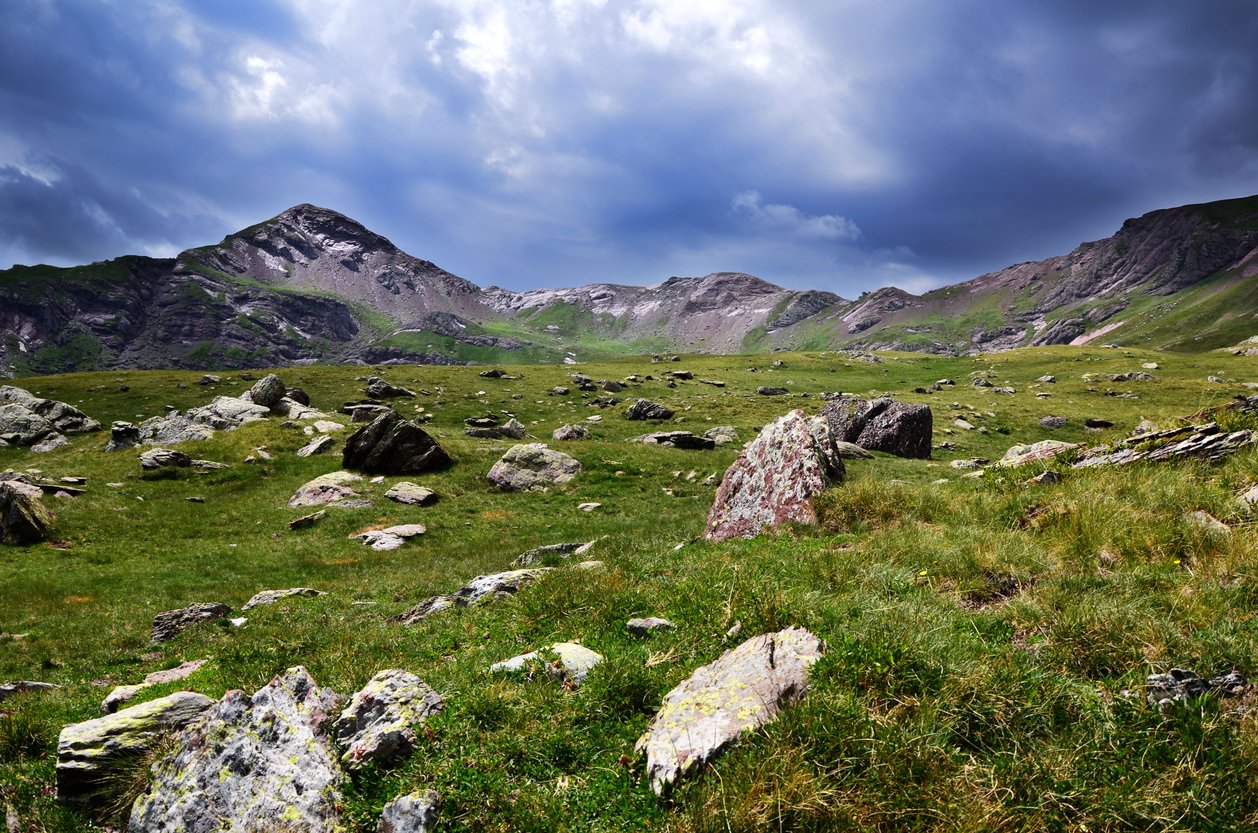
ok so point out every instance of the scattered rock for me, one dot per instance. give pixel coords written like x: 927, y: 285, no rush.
x: 1020, y: 455
x: 307, y: 521
x: 268, y: 391
x: 1180, y: 685
x: 963, y: 424
x: 411, y: 494
x: 1250, y: 496
x: 589, y: 506
x: 225, y: 413
x: 318, y: 445
x: 1135, y: 376
x: 576, y: 431
x: 679, y: 439
x: 413, y: 813
x: 743, y: 690
x: 538, y: 554
x: 122, y: 435
x: 168, y: 624
x: 493, y: 374
x: 89, y: 753
x: 123, y: 693
x: 1053, y: 421
x: 377, y: 388
x: 327, y: 488
x: 162, y: 458
x: 209, y: 379
x: 532, y: 466
x: 1047, y: 380
x: 24, y: 519
x: 379, y: 725
x: 883, y: 424
x: 251, y: 763
x: 513, y: 429
x: 1202, y: 441
x: 424, y: 609
x: 559, y: 391
x: 496, y: 585
x: 643, y: 409
x: 384, y: 540
x: 267, y: 597
x: 1206, y: 522
x: 364, y: 411
x: 722, y: 434
x: 852, y: 451
x: 980, y: 382
x: 775, y: 477
x: 644, y: 626
x: 1044, y: 478
x: 7, y: 690
x: 392, y: 445
x: 569, y: 662
x: 768, y: 391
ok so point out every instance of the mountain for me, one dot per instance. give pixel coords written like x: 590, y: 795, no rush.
x: 313, y: 285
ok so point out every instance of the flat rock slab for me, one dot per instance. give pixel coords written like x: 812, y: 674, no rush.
x: 531, y: 467
x: 538, y: 554
x: 124, y: 693
x: 411, y: 493
x: 7, y: 690
x: 168, y: 624
x: 390, y: 444
x: 249, y: 764
x: 318, y: 445
x: 852, y: 451
x: 88, y: 753
x: 775, y: 478
x: 413, y: 813
x: 743, y: 690
x: 383, y: 540
x: 163, y: 458
x: 267, y: 597
x: 1020, y: 455
x: 568, y: 662
x: 497, y: 585
x: 379, y: 725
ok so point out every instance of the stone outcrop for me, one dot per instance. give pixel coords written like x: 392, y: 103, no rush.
x: 775, y: 478
x: 883, y: 424
x: 24, y: 519
x: 29, y: 420
x: 1042, y: 451
x: 379, y: 725
x: 744, y: 689
x: 532, y: 466
x: 646, y: 409
x: 89, y: 753
x: 250, y: 763
x: 168, y: 624
x: 390, y: 444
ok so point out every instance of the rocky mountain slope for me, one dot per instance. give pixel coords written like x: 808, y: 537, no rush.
x: 313, y: 285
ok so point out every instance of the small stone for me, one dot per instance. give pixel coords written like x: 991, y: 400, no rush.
x: 267, y: 597
x: 963, y: 424
x: 413, y: 813
x: 764, y: 390
x: 576, y: 431
x: 1044, y: 478
x: 411, y: 494
x: 122, y: 694
x: 8, y: 690
x: 644, y: 626
x: 589, y: 507
x: 1053, y: 421
x: 1205, y: 521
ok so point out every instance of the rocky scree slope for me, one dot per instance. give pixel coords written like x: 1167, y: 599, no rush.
x: 313, y: 285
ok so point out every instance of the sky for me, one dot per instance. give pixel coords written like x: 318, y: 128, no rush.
x: 841, y: 145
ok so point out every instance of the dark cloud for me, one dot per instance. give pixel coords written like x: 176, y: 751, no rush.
x: 568, y: 141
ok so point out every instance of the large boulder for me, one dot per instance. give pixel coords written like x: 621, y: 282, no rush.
x: 390, y: 444
x: 63, y: 417
x: 575, y: 431
x: 250, y: 763
x: 20, y: 425
x: 379, y: 725
x: 740, y: 692
x: 268, y: 391
x: 532, y: 466
x: 89, y: 753
x: 646, y: 409
x: 24, y: 519
x: 173, y: 429
x: 775, y: 478
x: 883, y: 424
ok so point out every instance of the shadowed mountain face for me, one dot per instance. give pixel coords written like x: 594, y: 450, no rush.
x: 313, y: 285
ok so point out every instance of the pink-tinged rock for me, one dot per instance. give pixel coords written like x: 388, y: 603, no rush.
x: 775, y: 478
x: 743, y: 690
x: 1020, y: 455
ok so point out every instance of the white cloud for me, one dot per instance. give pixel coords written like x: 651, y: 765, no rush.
x: 787, y: 219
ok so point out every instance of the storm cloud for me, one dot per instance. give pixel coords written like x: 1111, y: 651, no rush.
x: 832, y: 145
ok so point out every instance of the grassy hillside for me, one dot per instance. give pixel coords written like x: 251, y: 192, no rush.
x: 980, y: 635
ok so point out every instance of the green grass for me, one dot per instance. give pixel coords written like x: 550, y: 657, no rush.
x: 979, y: 634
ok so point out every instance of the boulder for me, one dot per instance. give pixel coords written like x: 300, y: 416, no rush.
x: 172, y: 429
x: 24, y: 519
x: 326, y: 488
x: 852, y: 451
x: 898, y: 428
x: 421, y: 611
x: 539, y: 554
x: 413, y: 813
x: 227, y: 413
x: 90, y: 753
x: 123, y: 693
x: 163, y: 458
x: 379, y: 389
x: 318, y: 445
x: 268, y: 391
x: 8, y: 690
x: 643, y: 626
x: 679, y: 439
x: 1053, y: 421
x: 1020, y: 455
x: 209, y: 379
x: 390, y: 444
x: 722, y: 434
x: 390, y: 538
x: 411, y: 494
x: 532, y: 466
x: 379, y: 725
x: 740, y: 692
x: 297, y: 395
x: 568, y: 662
x: 496, y: 585
x: 267, y: 597
x: 122, y: 435
x: 364, y: 411
x: 643, y: 409
x: 21, y: 426
x: 249, y: 764
x: 168, y: 624
x: 576, y: 431
x: 775, y: 477
x: 63, y: 417
x: 764, y: 390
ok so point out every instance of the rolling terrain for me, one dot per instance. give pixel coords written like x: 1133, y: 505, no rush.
x: 311, y: 285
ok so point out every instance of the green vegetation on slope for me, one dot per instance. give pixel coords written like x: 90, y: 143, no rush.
x: 980, y: 635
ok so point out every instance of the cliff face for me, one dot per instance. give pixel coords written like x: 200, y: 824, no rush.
x: 314, y: 285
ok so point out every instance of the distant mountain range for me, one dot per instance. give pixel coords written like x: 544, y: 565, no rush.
x: 313, y: 285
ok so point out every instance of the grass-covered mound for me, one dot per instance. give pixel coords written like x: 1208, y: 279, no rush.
x: 981, y: 635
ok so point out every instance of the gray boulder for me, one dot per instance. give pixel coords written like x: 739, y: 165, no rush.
x: 643, y: 409
x: 89, y: 753
x: 173, y: 429
x: 645, y: 625
x: 390, y: 444
x: 740, y: 692
x: 24, y: 519
x: 764, y: 390
x: 124, y: 693
x: 249, y: 764
x: 332, y: 487
x: 378, y: 388
x: 1179, y: 685
x: 379, y: 725
x: 576, y: 431
x: 122, y: 435
x: 679, y: 439
x: 168, y: 624
x: 227, y: 413
x: 268, y: 391
x: 63, y: 417
x: 883, y: 424
x: 163, y: 458
x: 539, y: 554
x: 1053, y: 421
x: 411, y: 494
x: 267, y: 597
x: 722, y: 434
x: 567, y: 662
x: 496, y: 585
x: 21, y: 426
x: 413, y: 813
x: 317, y: 445
x: 775, y: 477
x: 532, y: 466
